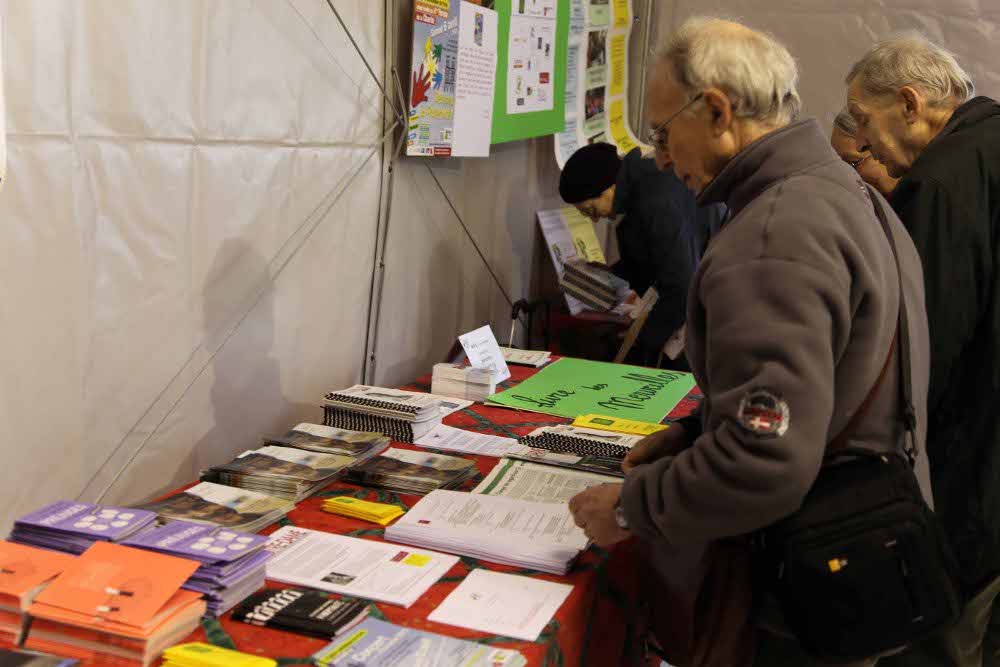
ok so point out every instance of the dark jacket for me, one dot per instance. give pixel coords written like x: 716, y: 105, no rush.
x: 658, y: 239
x: 949, y: 202
x: 790, y: 317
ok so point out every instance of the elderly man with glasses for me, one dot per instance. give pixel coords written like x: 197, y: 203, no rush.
x: 791, y: 316
x: 844, y: 141
x: 915, y: 108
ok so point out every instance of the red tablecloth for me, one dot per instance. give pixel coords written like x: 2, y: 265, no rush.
x: 591, y: 628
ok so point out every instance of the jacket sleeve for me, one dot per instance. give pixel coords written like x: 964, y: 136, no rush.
x: 769, y: 328
x: 669, y: 252
x: 956, y: 261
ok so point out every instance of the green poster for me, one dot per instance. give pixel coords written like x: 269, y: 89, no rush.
x: 530, y: 99
x: 573, y: 387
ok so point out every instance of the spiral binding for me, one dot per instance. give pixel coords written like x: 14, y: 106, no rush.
x: 372, y: 403
x: 556, y: 442
x: 397, y: 429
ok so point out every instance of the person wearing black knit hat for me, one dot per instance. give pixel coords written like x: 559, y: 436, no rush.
x: 661, y: 232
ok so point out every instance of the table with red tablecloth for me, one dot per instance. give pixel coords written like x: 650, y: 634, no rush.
x: 593, y: 626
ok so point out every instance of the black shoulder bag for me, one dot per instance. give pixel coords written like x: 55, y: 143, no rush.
x: 863, y: 567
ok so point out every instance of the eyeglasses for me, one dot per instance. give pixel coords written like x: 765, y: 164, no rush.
x: 659, y: 136
x: 857, y: 163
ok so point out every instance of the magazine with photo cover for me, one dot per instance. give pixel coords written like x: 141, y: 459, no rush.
x: 412, y: 471
x: 330, y: 440
x: 219, y: 505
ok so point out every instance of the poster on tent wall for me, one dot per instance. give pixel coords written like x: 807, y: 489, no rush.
x: 452, y: 79
x: 597, y: 83
x: 531, y: 69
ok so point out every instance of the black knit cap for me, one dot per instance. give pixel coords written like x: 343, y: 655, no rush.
x: 589, y: 172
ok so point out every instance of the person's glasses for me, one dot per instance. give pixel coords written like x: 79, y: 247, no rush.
x: 659, y: 136
x: 857, y: 163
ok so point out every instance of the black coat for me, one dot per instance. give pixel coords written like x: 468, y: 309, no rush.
x: 659, y: 238
x: 950, y: 202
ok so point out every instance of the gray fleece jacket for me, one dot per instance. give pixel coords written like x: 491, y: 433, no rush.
x: 790, y: 317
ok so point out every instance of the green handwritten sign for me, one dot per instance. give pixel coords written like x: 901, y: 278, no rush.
x: 571, y: 387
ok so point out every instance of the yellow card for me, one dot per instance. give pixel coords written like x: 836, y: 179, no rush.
x: 605, y: 423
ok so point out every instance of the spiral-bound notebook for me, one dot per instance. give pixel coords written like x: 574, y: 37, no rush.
x: 378, y: 401
x: 577, y: 448
x: 400, y: 430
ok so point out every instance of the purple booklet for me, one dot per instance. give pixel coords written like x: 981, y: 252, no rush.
x: 195, y: 541
x: 67, y: 524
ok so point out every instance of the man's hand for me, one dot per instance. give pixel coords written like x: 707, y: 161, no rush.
x: 594, y: 510
x: 670, y: 442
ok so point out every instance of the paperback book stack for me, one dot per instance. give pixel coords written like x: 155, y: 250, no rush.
x: 26, y: 571
x: 377, y: 643
x: 224, y: 506
x: 401, y: 415
x: 283, y: 472
x: 72, y: 527
x: 115, y: 605
x: 598, y: 289
x: 510, y: 531
x: 465, y: 382
x: 302, y: 611
x: 329, y: 440
x: 232, y: 563
x: 407, y: 471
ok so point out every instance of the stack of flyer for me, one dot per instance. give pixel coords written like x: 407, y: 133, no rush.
x: 224, y: 506
x: 26, y: 572
x: 377, y: 643
x: 510, y: 531
x: 401, y: 415
x: 535, y: 358
x: 465, y: 382
x: 72, y: 527
x: 329, y: 440
x: 116, y: 605
x: 365, y: 510
x: 232, y: 563
x: 409, y: 471
x: 284, y: 472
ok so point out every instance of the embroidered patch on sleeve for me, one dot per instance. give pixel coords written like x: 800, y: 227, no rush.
x: 763, y: 413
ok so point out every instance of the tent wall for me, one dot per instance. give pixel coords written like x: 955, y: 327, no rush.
x: 189, y: 223
x: 826, y: 38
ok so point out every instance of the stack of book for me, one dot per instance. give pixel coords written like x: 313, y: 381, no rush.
x: 116, y: 605
x: 302, y: 611
x: 408, y: 471
x: 401, y: 415
x: 232, y: 563
x: 199, y: 654
x: 576, y: 447
x: 377, y: 643
x: 354, y: 508
x: 24, y: 572
x: 226, y: 506
x: 72, y: 526
x: 510, y: 531
x: 466, y: 382
x: 598, y: 289
x: 284, y: 472
x: 329, y: 440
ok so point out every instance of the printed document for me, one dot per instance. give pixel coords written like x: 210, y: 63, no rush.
x: 453, y: 439
x: 350, y: 566
x: 537, y: 482
x: 502, y: 604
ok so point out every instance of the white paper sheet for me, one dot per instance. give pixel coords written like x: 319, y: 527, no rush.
x: 475, y: 82
x: 502, y: 604
x: 537, y: 482
x: 483, y: 351
x: 531, y: 65
x: 536, y: 358
x: 351, y: 566
x: 449, y: 438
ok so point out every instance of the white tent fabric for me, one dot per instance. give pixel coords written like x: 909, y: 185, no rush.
x: 166, y: 162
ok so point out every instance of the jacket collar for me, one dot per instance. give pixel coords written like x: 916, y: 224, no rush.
x: 772, y: 158
x: 968, y: 115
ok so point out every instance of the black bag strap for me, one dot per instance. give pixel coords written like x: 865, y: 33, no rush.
x: 903, y: 338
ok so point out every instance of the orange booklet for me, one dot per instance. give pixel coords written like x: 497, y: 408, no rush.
x: 25, y: 570
x: 111, y: 584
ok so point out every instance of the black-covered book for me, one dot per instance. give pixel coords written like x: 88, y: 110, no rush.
x: 305, y: 612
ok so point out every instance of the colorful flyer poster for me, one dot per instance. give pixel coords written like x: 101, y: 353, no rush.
x: 432, y: 79
x: 531, y: 69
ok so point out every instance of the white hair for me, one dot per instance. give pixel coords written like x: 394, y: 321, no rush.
x: 845, y: 123
x: 757, y: 72
x: 910, y: 59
